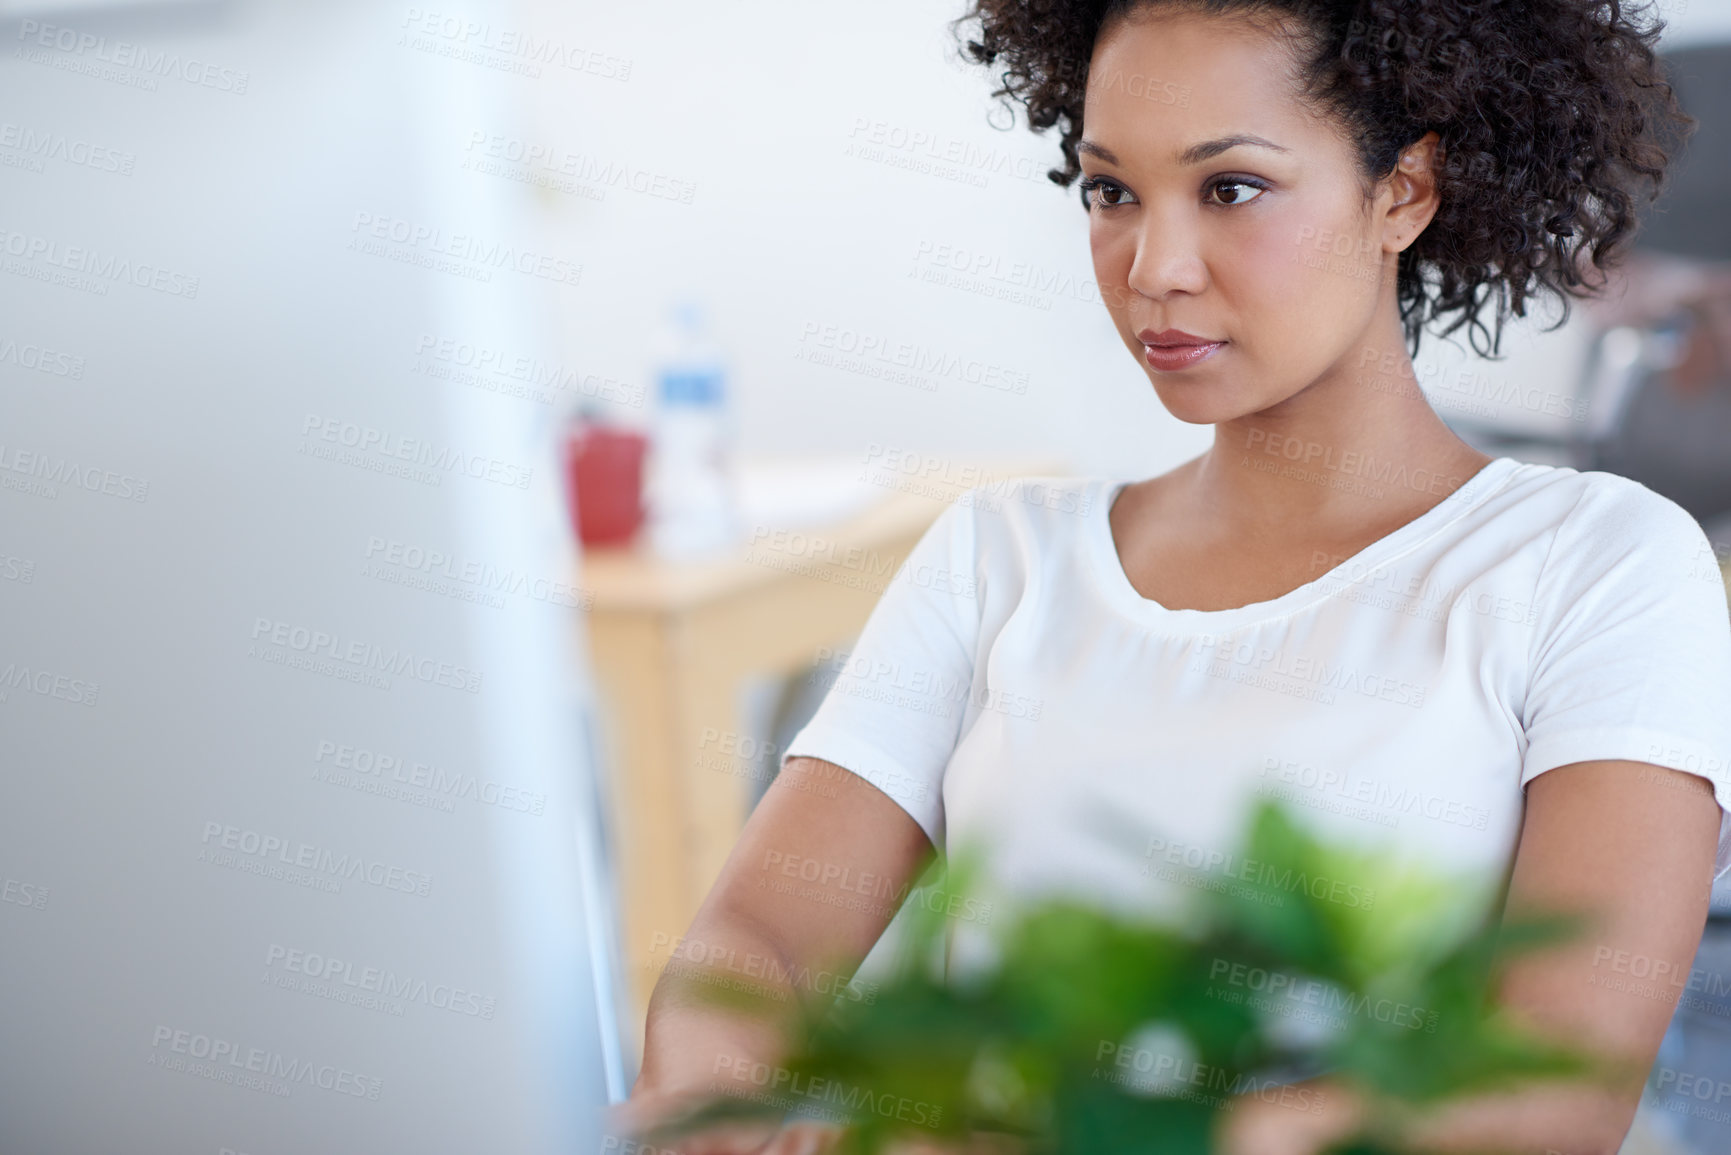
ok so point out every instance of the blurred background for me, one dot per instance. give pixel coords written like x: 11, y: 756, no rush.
x: 444, y: 448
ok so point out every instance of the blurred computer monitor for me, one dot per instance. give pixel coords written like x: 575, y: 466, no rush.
x: 299, y: 841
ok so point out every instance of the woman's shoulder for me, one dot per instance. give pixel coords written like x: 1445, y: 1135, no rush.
x: 1606, y: 527
x: 1605, y: 507
x: 1014, y: 527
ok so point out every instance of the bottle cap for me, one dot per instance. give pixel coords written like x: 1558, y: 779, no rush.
x: 688, y: 314
x: 684, y: 387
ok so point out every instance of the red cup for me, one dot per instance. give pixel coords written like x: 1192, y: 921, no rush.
x: 604, y: 476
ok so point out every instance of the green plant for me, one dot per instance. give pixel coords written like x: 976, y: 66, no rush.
x: 1092, y: 1032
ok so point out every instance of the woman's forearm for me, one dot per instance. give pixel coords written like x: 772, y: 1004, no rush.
x: 697, y: 1033
x: 1571, y: 1119
x: 774, y: 957
x: 761, y: 936
x: 1564, y: 1120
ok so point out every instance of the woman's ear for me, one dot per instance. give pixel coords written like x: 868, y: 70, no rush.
x: 1413, y: 192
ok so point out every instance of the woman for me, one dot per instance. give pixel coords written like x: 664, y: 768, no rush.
x: 1519, y: 670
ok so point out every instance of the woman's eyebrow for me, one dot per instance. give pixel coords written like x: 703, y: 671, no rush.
x: 1098, y: 150
x: 1208, y: 149
x: 1195, y: 154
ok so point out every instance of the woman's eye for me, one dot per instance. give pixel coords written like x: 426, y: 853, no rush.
x: 1110, y: 194
x: 1234, y: 192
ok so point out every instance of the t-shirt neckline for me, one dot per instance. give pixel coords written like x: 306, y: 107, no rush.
x: 1120, y: 592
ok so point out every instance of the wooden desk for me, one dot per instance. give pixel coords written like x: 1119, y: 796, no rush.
x: 671, y: 645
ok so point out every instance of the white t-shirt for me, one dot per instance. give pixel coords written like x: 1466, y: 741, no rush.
x: 1013, y: 692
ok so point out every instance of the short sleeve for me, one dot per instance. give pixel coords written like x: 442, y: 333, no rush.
x: 1631, y: 650
x: 894, y: 713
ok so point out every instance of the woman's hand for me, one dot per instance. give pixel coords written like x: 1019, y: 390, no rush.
x: 631, y: 1120
x: 1256, y: 1125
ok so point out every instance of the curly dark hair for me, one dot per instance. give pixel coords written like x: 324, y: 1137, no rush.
x: 1553, y: 116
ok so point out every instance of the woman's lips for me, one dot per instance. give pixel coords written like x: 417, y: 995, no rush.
x: 1170, y: 349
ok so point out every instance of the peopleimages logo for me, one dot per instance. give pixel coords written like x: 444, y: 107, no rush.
x: 361, y: 657
x: 394, y: 447
x: 43, y: 145
x: 51, y: 472
x: 124, y: 54
x: 1372, y: 792
x: 580, y: 167
x: 323, y: 861
x: 922, y: 360
x: 225, y: 1059
x: 340, y: 975
x: 22, y: 893
x: 91, y: 262
x: 1243, y: 661
x: 47, y: 683
x: 416, y: 237
x: 936, y: 257
x: 1257, y: 872
x: 483, y: 576
x: 528, y: 372
x: 40, y: 359
x: 357, y: 765
x: 473, y: 40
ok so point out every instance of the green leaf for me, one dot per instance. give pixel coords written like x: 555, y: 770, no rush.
x: 1097, y: 1033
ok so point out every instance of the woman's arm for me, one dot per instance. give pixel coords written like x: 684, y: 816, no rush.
x: 819, y: 870
x: 1631, y: 846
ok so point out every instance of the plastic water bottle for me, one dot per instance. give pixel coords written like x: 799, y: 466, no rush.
x: 689, y: 488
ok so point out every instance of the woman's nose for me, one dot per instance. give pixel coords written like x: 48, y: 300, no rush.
x: 1168, y: 258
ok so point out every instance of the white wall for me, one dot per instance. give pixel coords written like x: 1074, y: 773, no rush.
x: 1695, y: 21
x: 759, y: 104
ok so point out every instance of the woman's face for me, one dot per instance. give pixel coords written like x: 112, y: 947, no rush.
x: 1227, y: 211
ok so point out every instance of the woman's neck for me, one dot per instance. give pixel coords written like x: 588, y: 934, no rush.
x: 1359, y: 445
